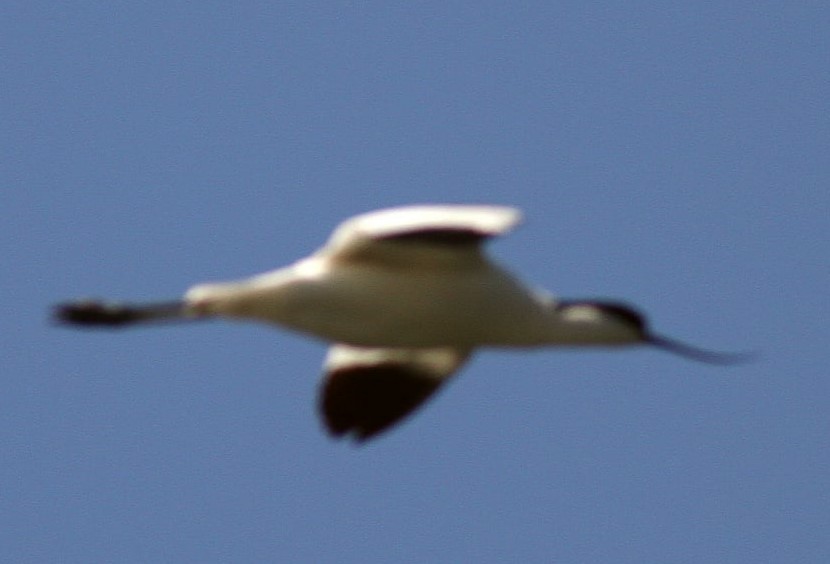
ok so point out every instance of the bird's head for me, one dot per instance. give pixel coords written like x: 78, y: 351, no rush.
x: 617, y: 323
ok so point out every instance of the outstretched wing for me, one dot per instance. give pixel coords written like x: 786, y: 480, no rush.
x: 418, y: 232
x: 366, y: 391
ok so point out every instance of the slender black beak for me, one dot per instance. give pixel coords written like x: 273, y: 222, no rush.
x: 694, y: 353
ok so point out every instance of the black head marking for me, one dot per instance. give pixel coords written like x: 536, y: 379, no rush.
x: 625, y: 313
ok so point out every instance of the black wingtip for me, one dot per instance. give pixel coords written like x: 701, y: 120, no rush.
x: 364, y: 401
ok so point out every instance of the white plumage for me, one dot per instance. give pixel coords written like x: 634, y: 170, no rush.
x: 405, y: 294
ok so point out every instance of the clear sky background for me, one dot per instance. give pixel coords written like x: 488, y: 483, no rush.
x: 673, y: 155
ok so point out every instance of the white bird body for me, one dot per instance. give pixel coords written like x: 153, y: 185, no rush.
x: 405, y: 295
x: 375, y: 306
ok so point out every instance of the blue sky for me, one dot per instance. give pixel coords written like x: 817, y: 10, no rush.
x: 671, y: 155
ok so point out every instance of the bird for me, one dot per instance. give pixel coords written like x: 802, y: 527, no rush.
x: 404, y: 296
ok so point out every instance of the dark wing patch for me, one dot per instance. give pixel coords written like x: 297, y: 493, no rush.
x: 366, y: 400
x: 442, y: 237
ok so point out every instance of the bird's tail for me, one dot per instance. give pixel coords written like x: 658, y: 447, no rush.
x: 97, y: 313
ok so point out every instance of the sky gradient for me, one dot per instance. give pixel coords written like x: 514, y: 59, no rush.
x: 672, y: 156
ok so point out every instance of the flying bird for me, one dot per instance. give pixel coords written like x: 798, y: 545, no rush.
x: 405, y: 295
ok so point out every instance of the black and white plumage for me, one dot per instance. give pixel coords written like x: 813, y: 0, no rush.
x: 405, y: 295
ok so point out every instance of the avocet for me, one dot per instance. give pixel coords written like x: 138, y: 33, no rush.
x: 405, y: 295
